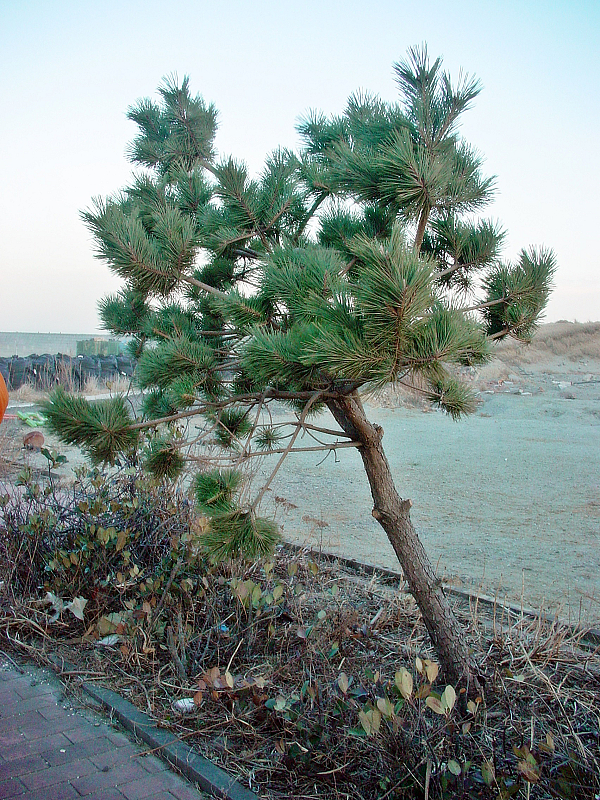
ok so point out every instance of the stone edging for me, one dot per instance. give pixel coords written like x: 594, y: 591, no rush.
x: 196, y: 768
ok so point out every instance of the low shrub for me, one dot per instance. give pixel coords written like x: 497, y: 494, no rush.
x: 92, y: 537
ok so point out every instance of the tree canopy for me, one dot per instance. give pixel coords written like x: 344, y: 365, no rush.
x: 358, y: 261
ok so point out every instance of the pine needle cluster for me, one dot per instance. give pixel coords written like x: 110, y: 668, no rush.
x: 232, y: 532
x: 163, y: 458
x: 240, y: 533
x: 103, y: 428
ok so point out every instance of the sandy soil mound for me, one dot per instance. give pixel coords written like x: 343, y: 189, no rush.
x: 554, y: 344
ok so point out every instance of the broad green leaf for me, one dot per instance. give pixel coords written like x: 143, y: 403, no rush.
x: 256, y: 595
x: 454, y: 767
x: 108, y: 623
x: 385, y: 706
x: 488, y: 773
x: 277, y: 592
x: 280, y: 703
x: 433, y: 702
x: 431, y: 670
x: 375, y: 719
x: 365, y: 721
x: 448, y: 698
x: 404, y: 681
x: 370, y: 720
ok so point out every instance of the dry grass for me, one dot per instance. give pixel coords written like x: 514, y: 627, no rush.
x: 28, y: 393
x: 552, y: 346
x: 572, y: 341
x: 118, y: 385
x: 12, y: 455
x: 6, y: 450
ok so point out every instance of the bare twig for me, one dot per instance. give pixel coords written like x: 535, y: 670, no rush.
x: 315, y: 449
x: 175, y: 655
x: 314, y: 397
x: 175, y: 569
x: 12, y: 661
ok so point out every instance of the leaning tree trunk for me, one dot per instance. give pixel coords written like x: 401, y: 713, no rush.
x: 393, y: 514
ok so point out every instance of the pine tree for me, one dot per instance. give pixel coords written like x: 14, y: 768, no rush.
x: 355, y: 263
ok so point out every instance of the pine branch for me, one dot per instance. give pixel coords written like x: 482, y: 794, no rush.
x: 317, y: 448
x: 103, y: 428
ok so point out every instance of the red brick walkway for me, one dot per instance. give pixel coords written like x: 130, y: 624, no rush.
x: 52, y: 749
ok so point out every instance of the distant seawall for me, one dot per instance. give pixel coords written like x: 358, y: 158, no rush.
x: 24, y: 344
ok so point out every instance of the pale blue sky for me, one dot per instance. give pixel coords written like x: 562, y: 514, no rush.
x: 70, y: 70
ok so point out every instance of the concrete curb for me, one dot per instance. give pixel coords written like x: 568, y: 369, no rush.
x: 196, y: 768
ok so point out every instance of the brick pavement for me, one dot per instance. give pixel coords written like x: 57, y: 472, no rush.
x: 52, y: 749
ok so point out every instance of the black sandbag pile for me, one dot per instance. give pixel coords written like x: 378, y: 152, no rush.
x: 46, y: 371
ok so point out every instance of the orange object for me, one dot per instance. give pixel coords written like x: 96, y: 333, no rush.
x: 3, y: 397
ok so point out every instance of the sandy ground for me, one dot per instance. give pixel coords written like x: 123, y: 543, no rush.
x: 507, y: 501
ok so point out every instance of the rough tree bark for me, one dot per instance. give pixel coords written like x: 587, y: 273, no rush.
x: 393, y: 514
